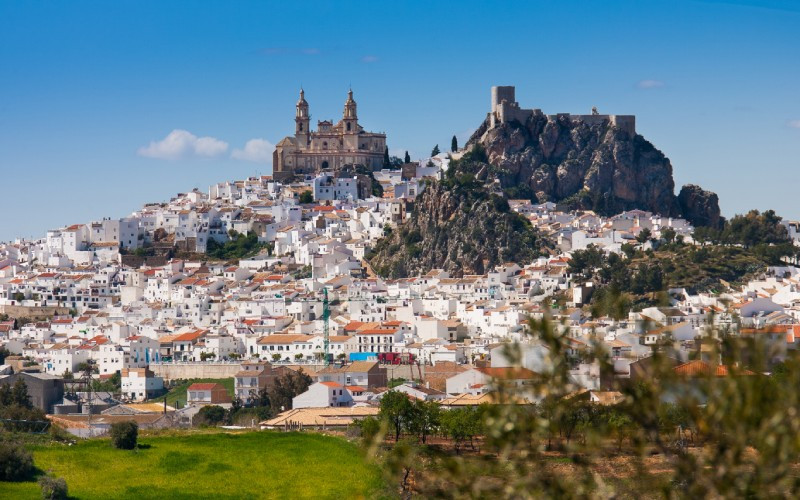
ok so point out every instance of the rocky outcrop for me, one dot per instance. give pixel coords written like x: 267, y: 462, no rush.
x: 699, y: 206
x: 582, y: 166
x: 457, y: 225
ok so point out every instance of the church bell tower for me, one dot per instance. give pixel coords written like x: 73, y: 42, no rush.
x: 302, y: 120
x: 350, y: 123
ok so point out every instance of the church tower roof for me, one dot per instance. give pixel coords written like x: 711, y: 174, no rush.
x: 302, y: 100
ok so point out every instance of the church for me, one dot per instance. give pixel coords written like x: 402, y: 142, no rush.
x: 330, y: 147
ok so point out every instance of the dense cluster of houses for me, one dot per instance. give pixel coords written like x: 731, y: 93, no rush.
x: 114, y: 303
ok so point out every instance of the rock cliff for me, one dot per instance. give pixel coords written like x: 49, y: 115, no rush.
x: 699, y: 206
x: 458, y: 225
x: 582, y: 166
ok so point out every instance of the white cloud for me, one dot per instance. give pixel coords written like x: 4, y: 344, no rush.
x: 650, y: 84
x: 180, y: 144
x: 369, y: 59
x: 255, y: 150
x: 793, y: 124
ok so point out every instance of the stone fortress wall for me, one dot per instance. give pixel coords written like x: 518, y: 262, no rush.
x: 505, y: 109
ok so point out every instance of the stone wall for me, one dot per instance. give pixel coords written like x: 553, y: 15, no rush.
x: 175, y: 371
x: 33, y: 312
x: 505, y: 109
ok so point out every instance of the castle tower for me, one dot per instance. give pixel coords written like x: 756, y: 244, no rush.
x: 302, y: 120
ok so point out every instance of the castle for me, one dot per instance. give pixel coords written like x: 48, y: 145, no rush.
x: 505, y: 109
x: 330, y: 147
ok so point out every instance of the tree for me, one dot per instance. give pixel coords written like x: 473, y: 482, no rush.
x: 19, y: 394
x: 396, y: 409
x: 306, y: 197
x: 644, y: 235
x: 16, y: 463
x: 668, y: 234
x: 53, y: 488
x: 276, y: 357
x: 207, y: 355
x: 210, y: 415
x: 407, y: 158
x: 435, y: 150
x: 461, y: 424
x: 298, y: 356
x: 260, y: 399
x: 454, y: 144
x: 387, y: 162
x: 6, y: 398
x: 112, y: 384
x: 230, y: 415
x: 286, y: 387
x: 425, y: 417
x: 370, y: 427
x: 124, y: 435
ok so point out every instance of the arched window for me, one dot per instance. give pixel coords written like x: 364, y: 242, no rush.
x: 348, y: 126
x: 301, y: 127
x: 325, y: 145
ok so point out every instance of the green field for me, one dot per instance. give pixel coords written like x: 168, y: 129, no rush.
x: 214, y: 465
x: 177, y: 395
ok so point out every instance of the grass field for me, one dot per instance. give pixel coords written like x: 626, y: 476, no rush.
x: 177, y: 395
x: 214, y: 465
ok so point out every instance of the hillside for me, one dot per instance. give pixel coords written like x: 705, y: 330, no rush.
x: 741, y: 250
x: 461, y: 225
x: 176, y: 397
x: 598, y: 167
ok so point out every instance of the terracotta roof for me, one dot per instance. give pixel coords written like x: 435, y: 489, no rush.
x: 508, y: 372
x: 699, y: 368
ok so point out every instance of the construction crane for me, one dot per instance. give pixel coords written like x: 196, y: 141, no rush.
x: 326, y: 316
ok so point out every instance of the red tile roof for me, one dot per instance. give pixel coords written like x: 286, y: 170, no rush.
x: 699, y: 368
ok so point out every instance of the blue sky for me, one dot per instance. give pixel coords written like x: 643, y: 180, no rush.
x: 86, y: 87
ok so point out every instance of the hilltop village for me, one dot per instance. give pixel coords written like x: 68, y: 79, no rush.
x: 153, y: 317
x: 255, y: 277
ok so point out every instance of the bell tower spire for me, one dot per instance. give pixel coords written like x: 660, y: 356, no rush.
x: 302, y: 119
x: 350, y: 116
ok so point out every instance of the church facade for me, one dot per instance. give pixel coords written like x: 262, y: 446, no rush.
x: 328, y: 148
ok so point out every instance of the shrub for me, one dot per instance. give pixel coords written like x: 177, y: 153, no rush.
x: 16, y: 463
x: 124, y: 435
x: 53, y: 488
x: 58, y: 433
x: 209, y: 415
x: 306, y: 197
